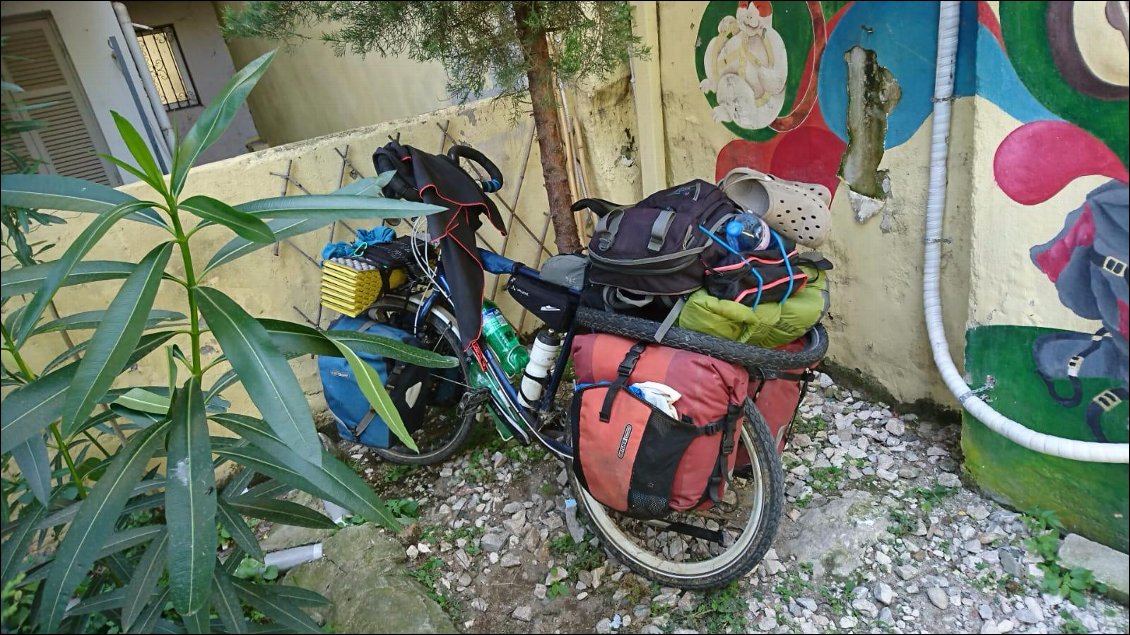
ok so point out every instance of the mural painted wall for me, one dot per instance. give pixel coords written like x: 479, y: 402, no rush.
x: 1065, y: 171
x: 840, y: 93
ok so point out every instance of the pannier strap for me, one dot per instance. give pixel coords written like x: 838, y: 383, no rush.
x: 659, y: 229
x: 721, y: 474
x: 622, y: 372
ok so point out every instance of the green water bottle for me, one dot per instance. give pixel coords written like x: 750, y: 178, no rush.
x: 502, y: 339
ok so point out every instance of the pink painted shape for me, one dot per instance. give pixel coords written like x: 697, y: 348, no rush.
x: 747, y: 154
x: 1055, y: 258
x: 1038, y: 159
x: 811, y: 155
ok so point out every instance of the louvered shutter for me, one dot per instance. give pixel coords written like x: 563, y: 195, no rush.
x: 69, y: 142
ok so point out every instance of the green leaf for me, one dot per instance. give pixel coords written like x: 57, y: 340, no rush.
x: 238, y: 484
x: 298, y: 339
x: 93, y: 525
x: 79, y: 246
x: 35, y: 466
x: 331, y: 207
x: 144, y: 401
x: 190, y: 501
x: 28, y: 279
x: 196, y: 622
x: 143, y: 581
x: 242, y: 223
x: 277, y: 511
x: 128, y: 168
x: 263, y: 598
x: 147, y: 621
x: 287, y: 227
x: 264, y: 371
x: 240, y: 532
x: 270, y: 489
x: 114, y: 340
x: 127, y: 538
x: 298, y: 595
x: 67, y: 194
x: 102, y: 602
x: 216, y: 118
x: 374, y: 390
x: 239, y: 247
x: 146, y: 345
x: 141, y: 153
x: 27, y: 410
x: 66, y: 514
x: 333, y: 480
x: 92, y: 320
x: 16, y: 544
x: 226, y: 603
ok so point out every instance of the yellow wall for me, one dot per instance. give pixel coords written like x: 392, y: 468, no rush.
x: 280, y: 286
x: 311, y: 92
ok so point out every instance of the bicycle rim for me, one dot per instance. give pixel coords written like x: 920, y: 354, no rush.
x: 748, y: 517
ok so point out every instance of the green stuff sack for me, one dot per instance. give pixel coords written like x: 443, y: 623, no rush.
x: 770, y: 325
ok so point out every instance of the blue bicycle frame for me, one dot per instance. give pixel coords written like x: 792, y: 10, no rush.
x: 522, y: 422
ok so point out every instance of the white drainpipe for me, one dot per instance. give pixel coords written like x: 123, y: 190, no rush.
x: 935, y: 210
x: 162, y: 117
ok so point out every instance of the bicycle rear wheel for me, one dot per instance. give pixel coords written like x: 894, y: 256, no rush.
x: 444, y: 428
x: 746, y: 522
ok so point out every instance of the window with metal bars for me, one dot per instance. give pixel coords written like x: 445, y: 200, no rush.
x: 165, y: 59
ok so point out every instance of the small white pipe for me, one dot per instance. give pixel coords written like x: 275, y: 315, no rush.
x: 286, y: 559
x: 935, y: 210
x: 146, y: 80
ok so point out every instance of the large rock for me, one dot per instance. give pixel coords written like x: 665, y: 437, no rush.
x: 1111, y: 567
x: 834, y: 536
x: 363, y: 573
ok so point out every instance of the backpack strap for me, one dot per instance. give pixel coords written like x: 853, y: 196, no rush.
x: 659, y: 229
x: 598, y: 206
x: 1109, y: 264
x: 622, y: 372
x: 1103, y: 403
x: 608, y: 226
x: 1073, y: 366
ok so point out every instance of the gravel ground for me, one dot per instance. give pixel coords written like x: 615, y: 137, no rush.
x: 880, y: 535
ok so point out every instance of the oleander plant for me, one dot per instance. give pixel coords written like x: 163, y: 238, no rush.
x: 114, y: 519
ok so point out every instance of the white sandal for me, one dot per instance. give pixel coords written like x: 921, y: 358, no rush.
x: 799, y: 211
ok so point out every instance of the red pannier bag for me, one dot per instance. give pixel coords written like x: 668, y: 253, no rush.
x: 777, y: 395
x: 633, y: 457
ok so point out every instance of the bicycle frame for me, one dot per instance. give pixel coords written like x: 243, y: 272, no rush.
x: 522, y: 422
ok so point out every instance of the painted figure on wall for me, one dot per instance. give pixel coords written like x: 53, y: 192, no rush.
x: 746, y: 67
x: 1078, y: 64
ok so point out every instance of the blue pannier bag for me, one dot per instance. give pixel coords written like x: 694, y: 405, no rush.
x: 356, y: 421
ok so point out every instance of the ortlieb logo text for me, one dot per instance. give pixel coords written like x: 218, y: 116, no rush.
x: 624, y: 440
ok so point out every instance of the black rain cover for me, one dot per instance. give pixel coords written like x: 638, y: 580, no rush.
x: 438, y: 180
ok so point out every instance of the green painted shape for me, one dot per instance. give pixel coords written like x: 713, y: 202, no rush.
x: 792, y: 21
x: 1090, y: 498
x: 1025, y: 30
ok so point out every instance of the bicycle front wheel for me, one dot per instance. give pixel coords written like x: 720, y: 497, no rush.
x: 703, y: 549
x: 443, y: 428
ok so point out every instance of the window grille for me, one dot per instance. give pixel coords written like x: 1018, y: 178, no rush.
x: 165, y: 58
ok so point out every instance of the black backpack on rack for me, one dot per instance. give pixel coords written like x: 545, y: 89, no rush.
x: 658, y: 246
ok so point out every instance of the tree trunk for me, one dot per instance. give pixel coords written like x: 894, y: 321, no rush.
x: 540, y: 76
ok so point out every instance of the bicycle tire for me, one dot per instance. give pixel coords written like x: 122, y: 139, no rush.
x: 401, y: 311
x: 748, y: 550
x: 749, y: 356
